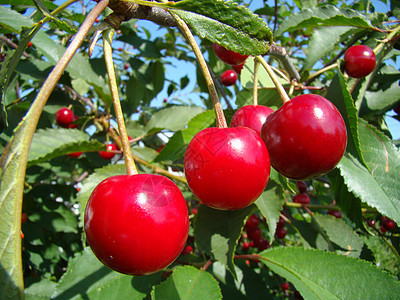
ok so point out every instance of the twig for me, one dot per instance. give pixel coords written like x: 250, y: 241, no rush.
x: 12, y: 44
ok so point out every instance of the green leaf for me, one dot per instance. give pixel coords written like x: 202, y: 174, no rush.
x: 187, y: 283
x: 366, y: 186
x: 88, y: 278
x: 270, y: 204
x: 266, y: 97
x: 323, y: 42
x: 218, y: 231
x: 339, y: 95
x: 172, y: 118
x: 226, y: 23
x: 327, y: 15
x: 41, y: 290
x: 51, y: 142
x: 93, y: 180
x: 340, y: 234
x: 323, y: 275
x: 177, y: 144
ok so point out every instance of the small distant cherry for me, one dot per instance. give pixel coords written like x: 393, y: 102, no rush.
x: 302, y: 198
x: 245, y: 246
x: 252, y: 222
x: 64, y: 117
x: 187, y: 250
x: 229, y: 77
x: 106, y: 154
x: 281, y: 223
x: 301, y: 186
x: 261, y: 243
x: 383, y: 229
x: 29, y: 44
x: 285, y: 286
x: 359, y: 61
x: 75, y: 154
x: 389, y: 224
x: 24, y: 218
x: 254, y: 234
x: 126, y: 66
x: 281, y: 232
x: 336, y: 213
x: 228, y: 56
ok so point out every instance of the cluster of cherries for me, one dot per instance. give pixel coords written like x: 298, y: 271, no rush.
x: 254, y: 234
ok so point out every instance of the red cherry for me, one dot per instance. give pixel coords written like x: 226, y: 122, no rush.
x: 252, y: 222
x: 238, y: 68
x: 72, y: 125
x: 261, y: 243
x: 285, y: 286
x: 108, y: 155
x: 187, y: 250
x: 252, y: 116
x: 228, y: 78
x: 29, y: 44
x: 64, y: 117
x: 359, y: 61
x: 383, y: 229
x: 280, y: 223
x: 126, y: 66
x: 336, y: 213
x: 301, y: 186
x: 306, y: 137
x: 24, y: 218
x: 75, y: 154
x: 227, y: 168
x: 228, y: 56
x: 245, y: 246
x: 254, y: 234
x: 281, y: 232
x: 389, y: 224
x: 136, y: 224
x: 301, y: 198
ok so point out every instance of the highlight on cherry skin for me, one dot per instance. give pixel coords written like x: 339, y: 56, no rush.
x: 227, y: 168
x: 136, y: 224
x: 251, y: 116
x: 228, y: 56
x: 306, y: 137
x: 228, y: 77
x: 359, y: 61
x: 64, y: 117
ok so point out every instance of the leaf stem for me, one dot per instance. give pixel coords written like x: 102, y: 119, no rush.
x: 219, y: 113
x: 281, y: 90
x: 126, y: 148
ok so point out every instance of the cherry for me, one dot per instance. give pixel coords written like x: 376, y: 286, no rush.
x: 228, y: 56
x: 383, y: 229
x: 251, y: 116
x: 136, y: 224
x: 306, y: 137
x: 280, y: 223
x: 336, y: 213
x: 227, y: 168
x: 64, y: 117
x: 281, y: 232
x: 228, y: 78
x: 24, y: 218
x: 126, y: 66
x: 254, y: 234
x: 359, y: 61
x: 29, y: 44
x: 301, y: 186
x: 245, y: 246
x: 261, y: 243
x: 75, y: 154
x: 389, y: 224
x: 301, y: 198
x: 285, y: 286
x: 238, y: 68
x: 106, y: 154
x: 187, y: 250
x: 252, y: 222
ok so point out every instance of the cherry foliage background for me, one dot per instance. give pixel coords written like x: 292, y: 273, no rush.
x: 318, y: 255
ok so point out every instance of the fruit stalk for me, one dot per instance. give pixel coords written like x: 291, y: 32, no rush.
x: 126, y: 148
x: 255, y: 84
x: 282, y: 93
x: 219, y: 113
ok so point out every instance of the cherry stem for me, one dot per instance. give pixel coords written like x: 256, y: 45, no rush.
x: 126, y: 148
x: 219, y: 113
x: 281, y: 90
x: 319, y: 72
x: 392, y: 33
x: 255, y: 83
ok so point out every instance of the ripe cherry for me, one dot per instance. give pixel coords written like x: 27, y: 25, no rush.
x: 301, y: 186
x: 251, y: 116
x: 280, y: 223
x: 306, y: 137
x: 285, y: 286
x: 227, y: 168
x: 252, y: 222
x: 281, y: 232
x: 24, y: 218
x: 228, y: 56
x: 75, y: 154
x: 301, y: 198
x: 389, y: 224
x: 261, y: 243
x: 254, y: 234
x: 245, y: 246
x: 136, y: 224
x: 336, y: 213
x: 228, y: 78
x: 64, y: 117
x: 187, y: 250
x: 106, y: 154
x: 359, y: 61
